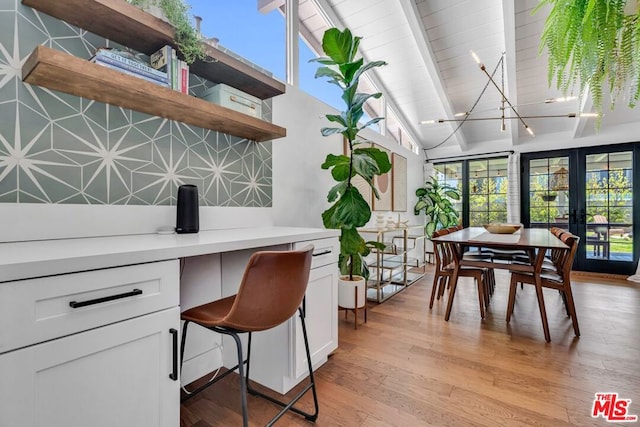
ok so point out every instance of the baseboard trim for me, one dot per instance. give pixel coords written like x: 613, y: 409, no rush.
x: 593, y: 275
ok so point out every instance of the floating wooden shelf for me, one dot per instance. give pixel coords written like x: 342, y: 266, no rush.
x: 128, y: 25
x: 57, y: 70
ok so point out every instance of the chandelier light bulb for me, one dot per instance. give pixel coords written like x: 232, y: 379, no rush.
x: 475, y: 57
x: 561, y: 99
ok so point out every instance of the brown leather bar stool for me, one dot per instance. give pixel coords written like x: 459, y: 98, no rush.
x: 272, y: 289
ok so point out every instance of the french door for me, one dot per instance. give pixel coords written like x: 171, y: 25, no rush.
x: 590, y: 192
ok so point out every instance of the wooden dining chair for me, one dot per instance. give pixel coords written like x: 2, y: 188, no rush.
x: 560, y: 280
x: 550, y: 262
x: 444, y: 270
x: 490, y: 277
x: 440, y: 274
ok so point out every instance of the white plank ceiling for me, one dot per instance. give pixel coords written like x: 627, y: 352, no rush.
x: 432, y: 74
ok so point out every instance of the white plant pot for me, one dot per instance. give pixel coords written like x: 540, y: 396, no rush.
x: 350, y: 292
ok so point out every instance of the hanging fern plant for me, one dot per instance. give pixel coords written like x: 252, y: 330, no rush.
x: 592, y: 43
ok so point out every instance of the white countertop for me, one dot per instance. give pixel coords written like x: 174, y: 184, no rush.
x: 22, y: 260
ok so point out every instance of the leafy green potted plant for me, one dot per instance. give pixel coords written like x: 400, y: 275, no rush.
x: 349, y: 210
x: 434, y: 200
x: 594, y: 43
x: 177, y: 13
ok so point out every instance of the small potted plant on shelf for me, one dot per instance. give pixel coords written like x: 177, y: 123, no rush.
x: 349, y: 210
x: 176, y: 12
x: 434, y: 200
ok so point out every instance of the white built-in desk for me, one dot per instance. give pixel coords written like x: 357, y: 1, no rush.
x: 22, y: 260
x: 89, y: 327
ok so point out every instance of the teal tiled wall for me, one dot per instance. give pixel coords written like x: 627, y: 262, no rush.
x: 59, y: 148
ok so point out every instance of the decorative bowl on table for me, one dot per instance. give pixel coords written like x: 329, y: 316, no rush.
x: 502, y: 228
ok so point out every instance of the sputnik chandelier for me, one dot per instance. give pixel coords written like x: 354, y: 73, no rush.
x: 505, y: 105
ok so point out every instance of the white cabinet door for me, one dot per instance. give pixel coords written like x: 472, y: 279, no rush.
x: 321, y: 319
x: 116, y: 375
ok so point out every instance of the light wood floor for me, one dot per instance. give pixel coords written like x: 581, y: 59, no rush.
x: 408, y: 367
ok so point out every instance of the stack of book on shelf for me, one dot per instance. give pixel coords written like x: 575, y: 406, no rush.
x: 115, y: 61
x: 177, y: 70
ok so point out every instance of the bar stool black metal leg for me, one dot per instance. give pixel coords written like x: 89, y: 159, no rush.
x: 243, y: 381
x: 248, y: 361
x: 310, y: 365
x: 182, y: 342
x: 245, y: 386
x: 219, y: 377
x: 311, y: 386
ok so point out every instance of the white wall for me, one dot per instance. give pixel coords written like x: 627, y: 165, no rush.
x: 300, y: 185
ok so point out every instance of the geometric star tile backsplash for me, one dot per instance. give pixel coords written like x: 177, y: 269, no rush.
x: 59, y: 148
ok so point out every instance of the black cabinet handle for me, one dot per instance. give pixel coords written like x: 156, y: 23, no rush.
x: 574, y: 217
x: 328, y: 251
x: 78, y: 304
x: 583, y: 216
x: 174, y: 335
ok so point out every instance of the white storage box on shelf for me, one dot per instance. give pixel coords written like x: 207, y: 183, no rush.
x: 234, y: 99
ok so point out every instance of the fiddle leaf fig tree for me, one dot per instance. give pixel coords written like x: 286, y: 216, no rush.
x: 434, y: 200
x: 349, y: 210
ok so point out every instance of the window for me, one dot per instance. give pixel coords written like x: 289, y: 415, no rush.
x: 609, y: 205
x: 329, y: 94
x: 483, y: 186
x: 262, y: 41
x: 549, y: 192
x: 487, y: 191
x: 395, y: 129
x: 451, y: 174
x: 241, y: 28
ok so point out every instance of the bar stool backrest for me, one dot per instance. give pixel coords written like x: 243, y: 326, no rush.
x: 272, y: 288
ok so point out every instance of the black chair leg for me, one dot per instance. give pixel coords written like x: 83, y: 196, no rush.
x: 182, y: 342
x: 312, y: 385
x: 192, y: 393
x: 245, y: 386
x: 310, y: 365
x: 243, y: 380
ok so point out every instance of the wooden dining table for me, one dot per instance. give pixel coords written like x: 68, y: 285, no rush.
x: 533, y: 241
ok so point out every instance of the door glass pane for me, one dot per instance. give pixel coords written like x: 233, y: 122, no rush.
x: 609, y: 206
x: 487, y: 191
x: 549, y: 192
x: 451, y: 174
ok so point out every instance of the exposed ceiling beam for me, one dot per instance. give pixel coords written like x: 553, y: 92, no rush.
x: 266, y: 6
x: 581, y: 122
x: 509, y: 25
x: 307, y: 35
x: 332, y: 17
x: 412, y: 15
